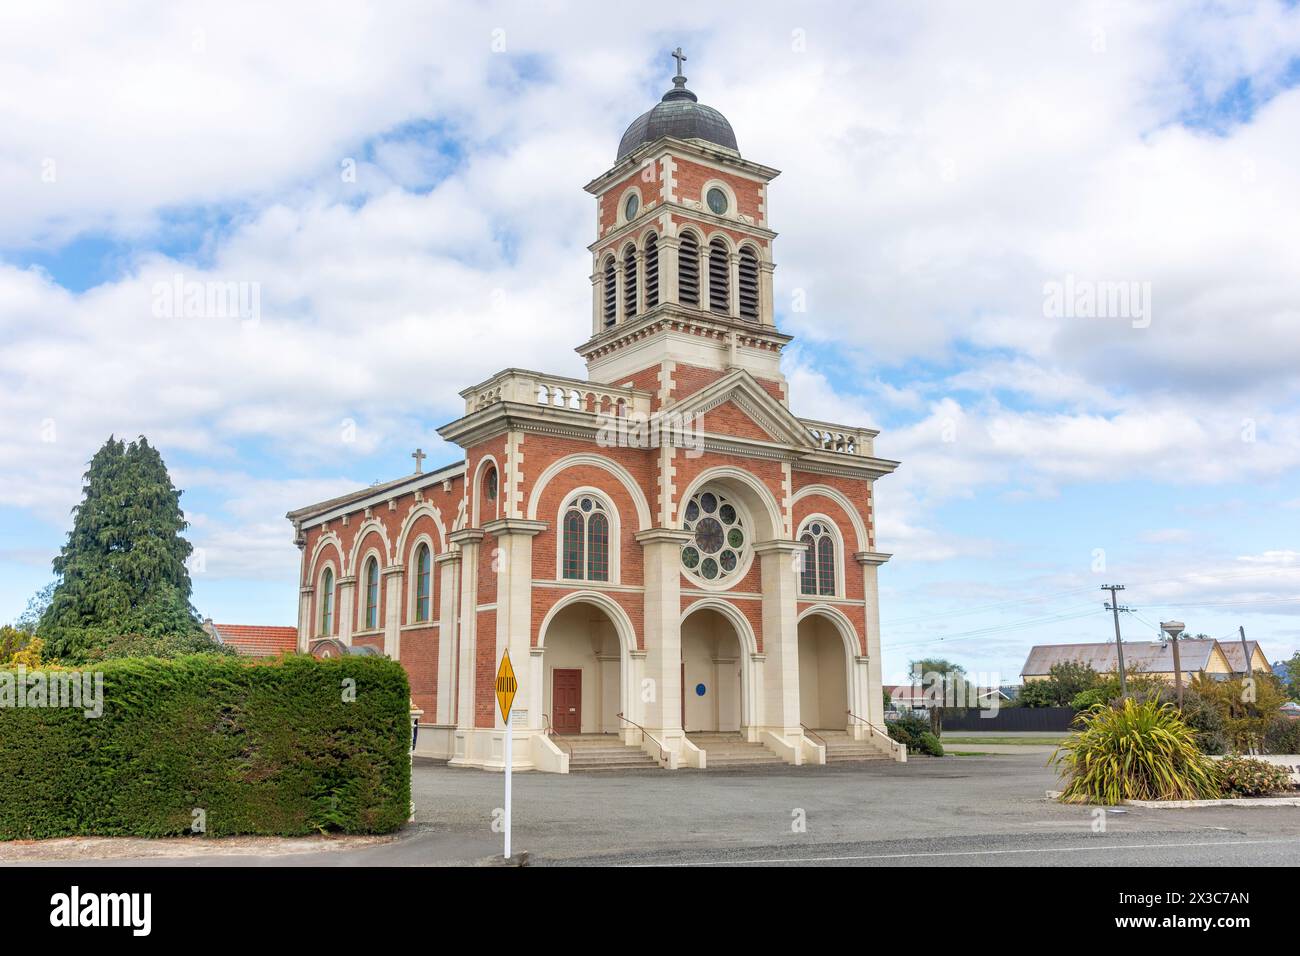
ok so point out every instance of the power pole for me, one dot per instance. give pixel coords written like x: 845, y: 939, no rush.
x: 1246, y: 669
x: 1119, y: 644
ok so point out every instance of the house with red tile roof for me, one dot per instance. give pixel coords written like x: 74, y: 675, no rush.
x: 254, y: 640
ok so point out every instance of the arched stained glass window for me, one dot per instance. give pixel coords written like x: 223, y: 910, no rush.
x: 817, y: 575
x: 423, y: 583
x: 573, y: 544
x: 372, y: 594
x: 586, y: 532
x: 597, y: 547
x: 327, y: 602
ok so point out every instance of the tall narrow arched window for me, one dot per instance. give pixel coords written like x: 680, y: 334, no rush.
x: 688, y: 270
x: 372, y: 594
x: 598, y: 547
x: 609, y: 310
x: 808, y: 565
x: 423, y: 582
x: 817, y: 575
x: 748, y: 284
x: 488, y: 507
x: 574, y: 532
x: 651, y: 271
x: 586, y: 533
x: 629, y: 282
x: 327, y: 602
x: 719, y: 277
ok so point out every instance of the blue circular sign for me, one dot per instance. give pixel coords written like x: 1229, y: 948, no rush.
x: 699, y: 690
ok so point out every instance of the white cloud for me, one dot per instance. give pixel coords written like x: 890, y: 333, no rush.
x: 940, y: 164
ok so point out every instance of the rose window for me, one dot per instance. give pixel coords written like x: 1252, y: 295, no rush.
x: 719, y: 541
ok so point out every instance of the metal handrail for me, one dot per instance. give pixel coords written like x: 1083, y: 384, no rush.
x: 550, y: 732
x: 878, y: 730
x: 809, y: 730
x: 663, y: 754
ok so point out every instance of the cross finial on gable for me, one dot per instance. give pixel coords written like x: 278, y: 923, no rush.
x: 680, y: 57
x: 419, y: 457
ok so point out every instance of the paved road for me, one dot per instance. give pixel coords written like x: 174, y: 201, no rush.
x: 966, y: 811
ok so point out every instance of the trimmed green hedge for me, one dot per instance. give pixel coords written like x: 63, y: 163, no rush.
x: 265, y: 747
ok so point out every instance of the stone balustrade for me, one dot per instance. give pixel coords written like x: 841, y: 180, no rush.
x: 555, y: 391
x: 841, y: 438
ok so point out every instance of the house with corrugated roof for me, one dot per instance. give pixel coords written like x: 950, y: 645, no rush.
x: 1196, y: 656
x: 1235, y: 653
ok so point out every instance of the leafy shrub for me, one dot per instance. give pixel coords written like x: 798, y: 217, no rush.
x: 292, y: 746
x: 1247, y: 707
x: 929, y: 744
x: 1088, y: 699
x: 1282, y: 736
x: 1141, y: 750
x: 908, y: 729
x: 1206, y: 721
x: 1247, y: 777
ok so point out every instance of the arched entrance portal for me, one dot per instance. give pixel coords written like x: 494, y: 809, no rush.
x: 823, y: 674
x: 582, y: 671
x: 713, y: 683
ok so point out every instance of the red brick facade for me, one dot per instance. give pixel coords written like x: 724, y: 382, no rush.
x: 536, y: 446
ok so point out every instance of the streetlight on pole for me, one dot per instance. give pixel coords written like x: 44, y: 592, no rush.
x: 1172, y: 629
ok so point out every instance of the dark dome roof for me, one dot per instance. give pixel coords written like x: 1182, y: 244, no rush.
x: 679, y: 114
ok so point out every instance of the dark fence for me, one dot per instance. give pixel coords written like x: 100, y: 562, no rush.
x: 1008, y: 718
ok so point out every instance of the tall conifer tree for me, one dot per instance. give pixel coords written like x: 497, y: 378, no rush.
x: 122, y: 573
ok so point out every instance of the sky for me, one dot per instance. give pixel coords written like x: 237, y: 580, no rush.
x: 401, y: 186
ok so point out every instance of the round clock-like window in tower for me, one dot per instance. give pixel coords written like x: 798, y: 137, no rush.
x: 717, y: 200
x: 719, y: 549
x: 631, y: 206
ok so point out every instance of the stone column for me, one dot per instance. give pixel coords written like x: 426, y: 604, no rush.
x: 705, y: 297
x: 781, y: 636
x: 766, y: 304
x: 347, y: 594
x: 669, y: 247
x: 640, y: 282
x: 305, y: 633
x: 468, y: 541
x: 662, y: 635
x: 597, y: 302
x: 733, y: 284
x: 393, y: 577
x: 514, y: 540
x: 875, y: 704
x: 620, y: 315
x: 448, y: 564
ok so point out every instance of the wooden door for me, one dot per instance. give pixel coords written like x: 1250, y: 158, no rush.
x: 566, y: 700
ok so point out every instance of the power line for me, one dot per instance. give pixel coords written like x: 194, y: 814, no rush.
x: 988, y: 631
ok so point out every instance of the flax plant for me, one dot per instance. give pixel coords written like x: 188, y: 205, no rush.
x: 1139, y: 750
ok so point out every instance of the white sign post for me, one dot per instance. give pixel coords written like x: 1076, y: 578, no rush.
x: 507, y: 685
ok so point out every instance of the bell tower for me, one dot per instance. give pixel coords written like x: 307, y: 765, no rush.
x: 681, y: 281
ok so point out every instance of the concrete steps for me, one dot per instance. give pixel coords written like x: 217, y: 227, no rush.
x: 841, y: 747
x: 603, y: 752
x: 726, y: 750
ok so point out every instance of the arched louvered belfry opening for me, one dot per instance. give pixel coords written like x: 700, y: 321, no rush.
x: 651, y: 270
x: 609, y: 305
x: 719, y: 278
x: 688, y: 270
x: 629, y: 282
x: 748, y: 283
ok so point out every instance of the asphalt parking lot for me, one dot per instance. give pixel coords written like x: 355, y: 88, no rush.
x: 950, y: 811
x: 965, y: 811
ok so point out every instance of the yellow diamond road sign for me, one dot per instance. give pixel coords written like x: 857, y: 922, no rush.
x: 506, y: 686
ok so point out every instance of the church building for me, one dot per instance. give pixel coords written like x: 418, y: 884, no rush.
x: 682, y: 570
